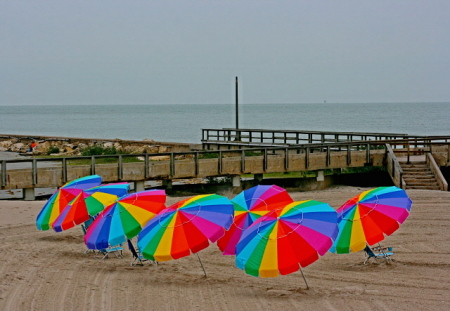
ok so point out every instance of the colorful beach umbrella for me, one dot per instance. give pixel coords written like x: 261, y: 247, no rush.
x: 287, y: 239
x: 62, y: 197
x: 88, y: 203
x: 124, y: 219
x: 186, y: 227
x: 249, y: 205
x: 369, y: 217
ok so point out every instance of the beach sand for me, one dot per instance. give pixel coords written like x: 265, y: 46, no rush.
x: 44, y: 270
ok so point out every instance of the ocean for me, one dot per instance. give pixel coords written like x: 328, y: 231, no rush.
x: 183, y: 123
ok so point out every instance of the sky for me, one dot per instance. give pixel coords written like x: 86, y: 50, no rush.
x: 189, y: 52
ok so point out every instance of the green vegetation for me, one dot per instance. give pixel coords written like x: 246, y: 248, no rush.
x: 99, y: 150
x: 52, y: 149
x: 218, y: 180
x: 365, y: 169
x: 209, y: 155
x: 253, y: 153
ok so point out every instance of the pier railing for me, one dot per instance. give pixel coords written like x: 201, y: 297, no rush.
x: 394, y: 168
x: 290, y: 137
x: 443, y: 185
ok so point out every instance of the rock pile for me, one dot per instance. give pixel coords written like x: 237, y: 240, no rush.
x: 74, y: 148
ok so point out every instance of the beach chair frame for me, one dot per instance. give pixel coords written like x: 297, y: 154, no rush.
x: 116, y: 250
x: 378, y: 253
x: 138, y: 259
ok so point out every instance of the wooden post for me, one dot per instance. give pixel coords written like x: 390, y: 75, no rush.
x: 92, y: 165
x: 3, y: 173
x: 238, y: 136
x: 120, y: 167
x: 34, y: 169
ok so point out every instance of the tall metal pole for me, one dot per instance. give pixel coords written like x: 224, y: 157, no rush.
x: 238, y: 136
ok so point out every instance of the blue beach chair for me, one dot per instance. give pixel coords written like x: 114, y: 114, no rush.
x: 116, y: 250
x: 377, y: 253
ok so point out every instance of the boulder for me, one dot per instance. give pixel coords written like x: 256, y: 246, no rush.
x: 19, y: 147
x: 6, y: 144
x: 42, y: 147
x: 162, y: 149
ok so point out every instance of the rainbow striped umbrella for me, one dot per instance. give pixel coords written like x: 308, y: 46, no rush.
x: 124, y: 219
x: 62, y: 197
x: 369, y: 216
x: 88, y: 203
x: 287, y: 239
x: 250, y: 205
x: 185, y: 227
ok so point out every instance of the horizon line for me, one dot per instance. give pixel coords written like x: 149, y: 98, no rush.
x: 241, y: 104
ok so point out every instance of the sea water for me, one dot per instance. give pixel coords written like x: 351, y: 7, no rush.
x: 183, y: 123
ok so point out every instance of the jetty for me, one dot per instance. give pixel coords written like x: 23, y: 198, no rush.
x: 411, y: 161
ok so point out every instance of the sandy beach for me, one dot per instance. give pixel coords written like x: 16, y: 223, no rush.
x: 44, y: 270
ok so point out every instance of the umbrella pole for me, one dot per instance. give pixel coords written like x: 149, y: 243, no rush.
x: 301, y: 270
x: 201, y: 263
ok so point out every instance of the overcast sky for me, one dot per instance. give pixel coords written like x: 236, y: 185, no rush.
x: 162, y: 51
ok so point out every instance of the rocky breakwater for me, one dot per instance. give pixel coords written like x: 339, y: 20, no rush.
x: 64, y: 146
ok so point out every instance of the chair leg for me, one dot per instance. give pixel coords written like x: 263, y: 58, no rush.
x: 118, y: 254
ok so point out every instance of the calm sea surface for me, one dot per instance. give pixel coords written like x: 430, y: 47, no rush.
x: 183, y: 123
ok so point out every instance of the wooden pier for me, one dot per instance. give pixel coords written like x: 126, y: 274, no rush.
x: 37, y: 173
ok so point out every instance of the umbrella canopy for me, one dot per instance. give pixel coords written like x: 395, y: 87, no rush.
x: 88, y: 203
x: 250, y: 205
x: 369, y: 216
x: 62, y: 197
x: 287, y: 239
x: 124, y: 219
x: 185, y: 227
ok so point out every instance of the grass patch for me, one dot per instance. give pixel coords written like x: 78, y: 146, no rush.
x: 99, y: 150
x: 208, y: 155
